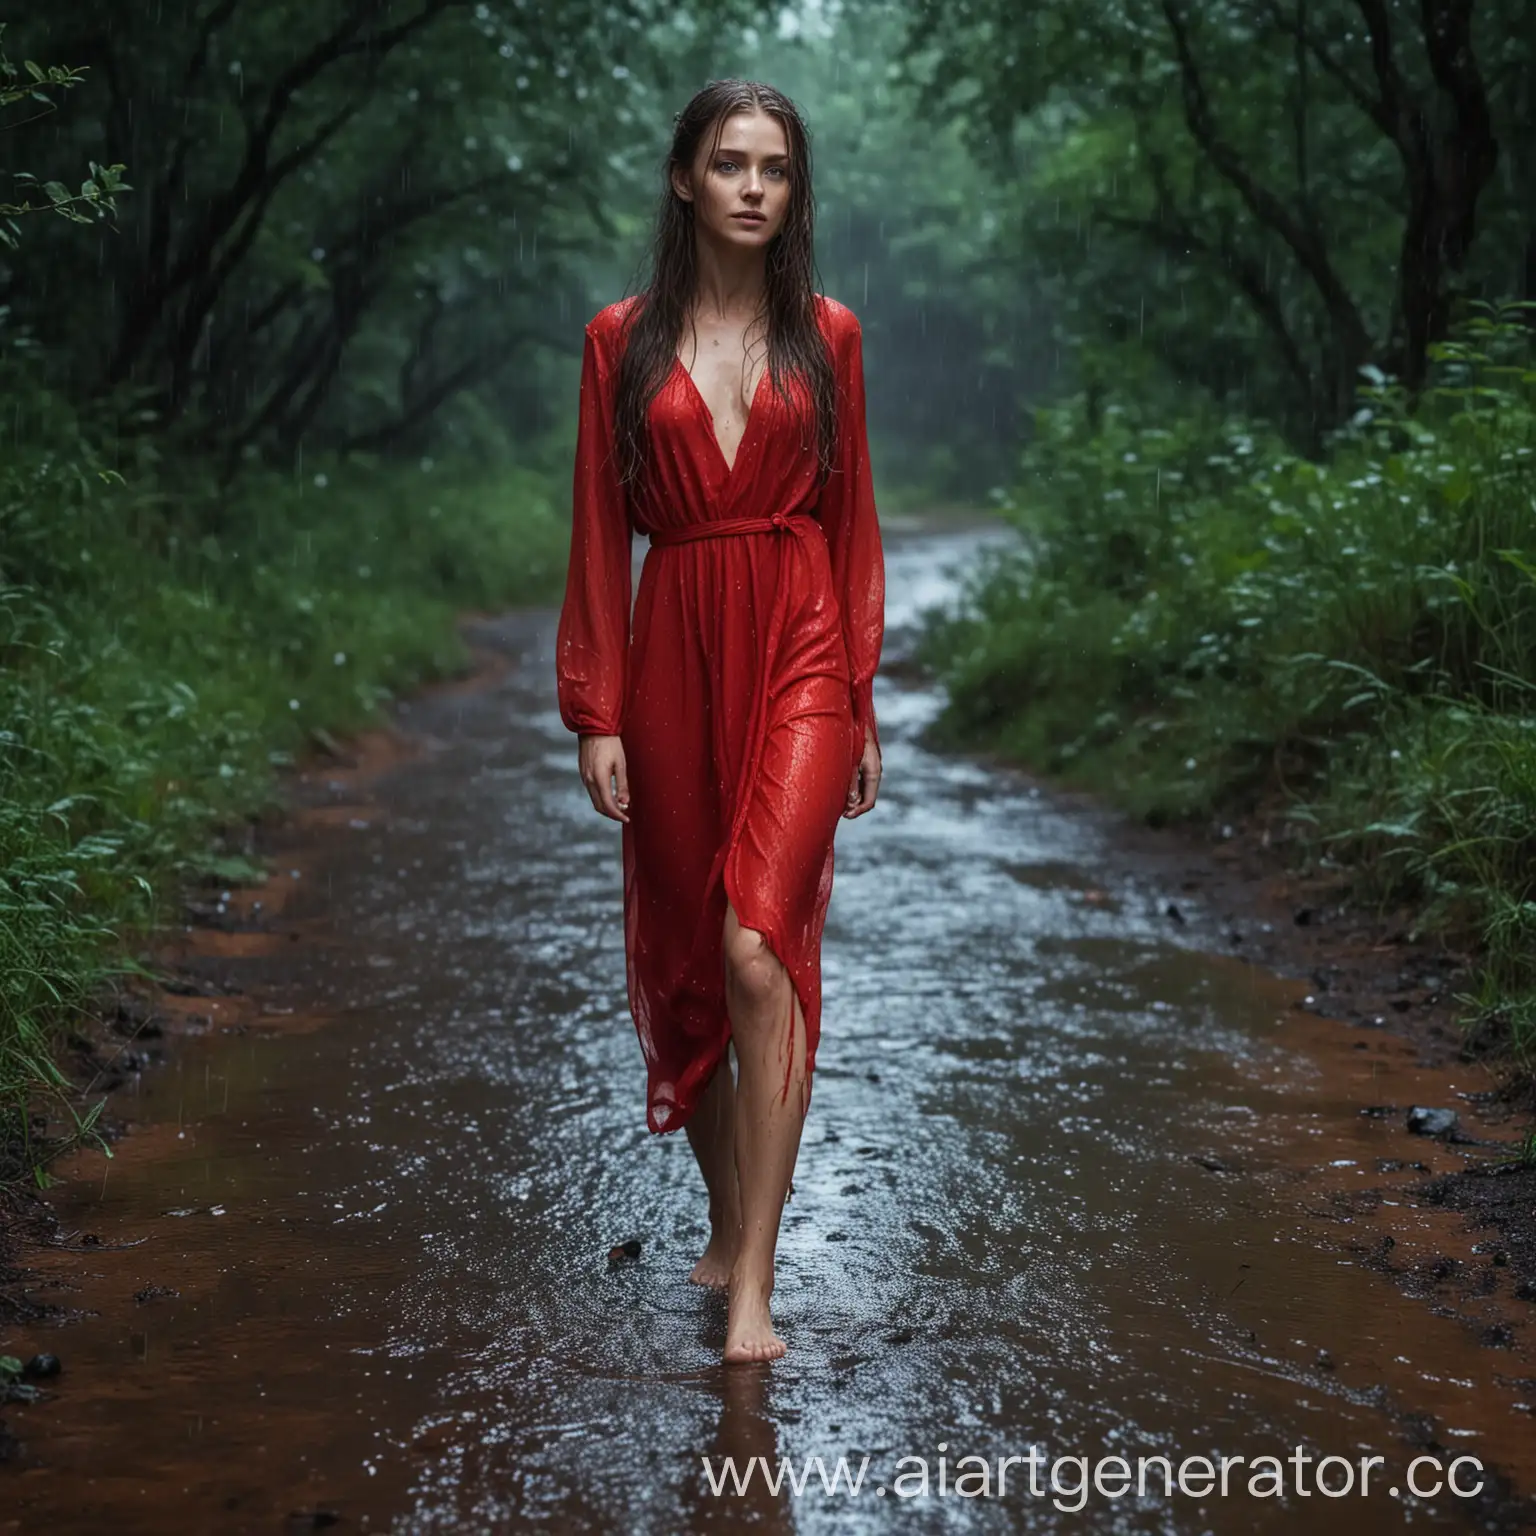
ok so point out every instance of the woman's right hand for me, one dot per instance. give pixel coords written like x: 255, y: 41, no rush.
x: 601, y: 759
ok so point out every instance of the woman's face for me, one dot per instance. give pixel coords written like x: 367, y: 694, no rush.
x: 740, y: 193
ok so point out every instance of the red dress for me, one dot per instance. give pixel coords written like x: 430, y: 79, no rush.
x: 741, y: 690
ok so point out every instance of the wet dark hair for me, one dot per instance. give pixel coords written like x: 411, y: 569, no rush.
x: 654, y: 325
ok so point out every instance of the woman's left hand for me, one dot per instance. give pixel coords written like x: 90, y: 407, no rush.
x: 865, y: 784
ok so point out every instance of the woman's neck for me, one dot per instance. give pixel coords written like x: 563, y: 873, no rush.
x: 729, y: 282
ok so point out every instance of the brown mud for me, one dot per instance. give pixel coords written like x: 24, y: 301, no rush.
x: 1087, y: 1167
x: 1371, y: 971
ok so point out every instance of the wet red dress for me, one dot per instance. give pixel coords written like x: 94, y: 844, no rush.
x: 741, y: 689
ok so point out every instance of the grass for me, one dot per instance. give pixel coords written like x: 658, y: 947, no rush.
x: 166, y: 646
x: 1195, y: 618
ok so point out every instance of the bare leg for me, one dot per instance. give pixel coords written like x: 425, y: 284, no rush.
x: 761, y: 1000
x: 712, y: 1135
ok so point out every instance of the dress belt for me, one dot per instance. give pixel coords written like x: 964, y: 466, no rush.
x: 780, y: 522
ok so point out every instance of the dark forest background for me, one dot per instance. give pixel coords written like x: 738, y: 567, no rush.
x: 1227, y: 308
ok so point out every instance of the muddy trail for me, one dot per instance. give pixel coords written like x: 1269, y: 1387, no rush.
x: 1073, y: 1179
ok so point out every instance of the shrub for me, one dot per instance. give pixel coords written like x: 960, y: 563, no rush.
x: 1195, y: 616
x: 165, y: 644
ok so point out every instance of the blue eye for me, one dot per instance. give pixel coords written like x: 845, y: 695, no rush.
x: 725, y: 165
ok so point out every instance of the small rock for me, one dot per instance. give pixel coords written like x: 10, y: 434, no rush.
x: 155, y: 1293
x: 1325, y: 1361
x: 313, y: 1520
x: 1172, y: 910
x: 185, y: 984
x: 1431, y: 1122
x: 625, y: 1253
x: 40, y: 1367
x: 1302, y: 917
x: 1210, y: 1164
x: 136, y: 1019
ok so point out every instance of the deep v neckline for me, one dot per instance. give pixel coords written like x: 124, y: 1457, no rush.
x: 709, y: 415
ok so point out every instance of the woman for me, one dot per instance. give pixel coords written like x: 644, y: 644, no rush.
x: 722, y: 414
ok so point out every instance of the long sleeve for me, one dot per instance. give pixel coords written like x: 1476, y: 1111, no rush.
x: 592, y: 641
x: 853, y: 529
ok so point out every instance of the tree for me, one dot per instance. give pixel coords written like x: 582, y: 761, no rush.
x: 1285, y: 150
x: 350, y: 210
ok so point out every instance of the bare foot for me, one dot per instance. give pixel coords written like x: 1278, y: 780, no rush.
x: 714, y: 1266
x: 749, y: 1334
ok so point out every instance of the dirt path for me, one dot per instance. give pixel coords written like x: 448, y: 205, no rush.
x: 1076, y: 1177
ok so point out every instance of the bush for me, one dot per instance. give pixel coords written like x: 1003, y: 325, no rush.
x: 1196, y: 616
x: 165, y: 644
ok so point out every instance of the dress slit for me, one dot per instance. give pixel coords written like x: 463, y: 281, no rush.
x: 750, y: 914
x: 773, y: 940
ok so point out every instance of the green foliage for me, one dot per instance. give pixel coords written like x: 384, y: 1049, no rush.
x: 38, y: 80
x: 1196, y: 615
x: 165, y: 644
x: 95, y: 199
x: 1265, y: 195
x: 351, y: 217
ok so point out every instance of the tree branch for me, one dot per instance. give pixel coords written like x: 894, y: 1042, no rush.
x: 482, y: 364
x: 1305, y: 244
x: 258, y: 177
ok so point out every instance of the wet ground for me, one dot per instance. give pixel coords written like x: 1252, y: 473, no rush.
x: 1069, y: 1182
